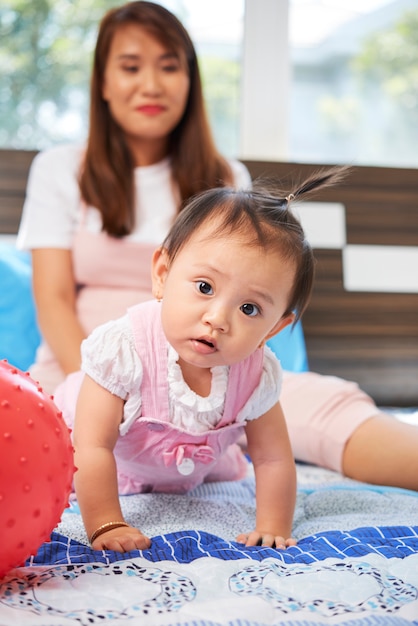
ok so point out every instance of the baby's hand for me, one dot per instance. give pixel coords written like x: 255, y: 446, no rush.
x: 123, y: 539
x: 259, y: 538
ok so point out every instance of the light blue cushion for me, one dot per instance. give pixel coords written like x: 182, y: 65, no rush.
x: 19, y: 333
x: 289, y: 347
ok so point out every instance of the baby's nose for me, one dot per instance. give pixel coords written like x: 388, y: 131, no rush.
x: 217, y: 318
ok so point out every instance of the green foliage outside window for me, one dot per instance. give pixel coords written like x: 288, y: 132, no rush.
x: 391, y: 58
x: 375, y: 119
x: 45, y: 61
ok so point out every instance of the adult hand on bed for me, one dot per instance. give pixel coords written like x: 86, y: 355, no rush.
x: 266, y: 539
x: 123, y: 539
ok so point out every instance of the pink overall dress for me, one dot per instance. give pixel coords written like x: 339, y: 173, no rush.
x: 155, y: 455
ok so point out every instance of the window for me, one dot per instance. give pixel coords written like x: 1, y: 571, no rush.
x: 354, y: 90
x: 299, y: 80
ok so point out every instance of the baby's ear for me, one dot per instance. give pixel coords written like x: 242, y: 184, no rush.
x: 159, y: 270
x: 282, y: 323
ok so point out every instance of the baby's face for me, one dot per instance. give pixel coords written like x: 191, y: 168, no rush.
x: 222, y: 298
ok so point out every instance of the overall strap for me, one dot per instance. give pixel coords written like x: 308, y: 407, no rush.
x: 243, y: 380
x: 151, y: 345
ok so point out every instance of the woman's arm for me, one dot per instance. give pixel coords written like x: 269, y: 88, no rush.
x: 55, y: 297
x: 275, y: 475
x: 96, y: 431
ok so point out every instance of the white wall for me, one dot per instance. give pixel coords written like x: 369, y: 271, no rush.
x: 266, y: 81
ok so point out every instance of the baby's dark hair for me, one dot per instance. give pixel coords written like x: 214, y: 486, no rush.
x: 263, y: 217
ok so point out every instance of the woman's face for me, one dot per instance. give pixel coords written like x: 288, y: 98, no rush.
x: 146, y: 87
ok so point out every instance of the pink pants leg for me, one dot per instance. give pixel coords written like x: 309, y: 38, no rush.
x: 322, y: 412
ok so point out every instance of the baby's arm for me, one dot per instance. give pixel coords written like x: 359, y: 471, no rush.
x: 96, y: 430
x: 275, y: 475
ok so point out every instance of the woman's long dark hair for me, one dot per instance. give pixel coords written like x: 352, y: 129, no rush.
x: 107, y: 175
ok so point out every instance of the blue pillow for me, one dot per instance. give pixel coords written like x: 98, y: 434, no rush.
x: 290, y: 348
x: 19, y: 333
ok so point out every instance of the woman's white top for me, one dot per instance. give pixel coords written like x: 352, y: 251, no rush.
x: 53, y: 209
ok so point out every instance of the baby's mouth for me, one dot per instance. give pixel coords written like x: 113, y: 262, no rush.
x: 206, y: 342
x: 205, y: 345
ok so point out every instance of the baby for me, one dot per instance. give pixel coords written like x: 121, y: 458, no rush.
x: 169, y: 388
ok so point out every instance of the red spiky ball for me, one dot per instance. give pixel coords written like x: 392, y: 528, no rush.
x: 36, y: 466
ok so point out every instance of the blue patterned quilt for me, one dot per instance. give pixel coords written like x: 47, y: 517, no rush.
x: 344, y: 573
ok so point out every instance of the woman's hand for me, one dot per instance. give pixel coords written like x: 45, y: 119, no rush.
x: 266, y: 539
x: 123, y: 539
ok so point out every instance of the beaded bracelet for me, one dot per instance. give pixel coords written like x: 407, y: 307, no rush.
x: 104, y: 528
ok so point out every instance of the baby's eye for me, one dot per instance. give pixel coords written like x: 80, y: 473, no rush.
x: 250, y: 309
x: 204, y: 287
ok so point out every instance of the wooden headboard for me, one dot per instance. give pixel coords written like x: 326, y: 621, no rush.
x: 369, y: 337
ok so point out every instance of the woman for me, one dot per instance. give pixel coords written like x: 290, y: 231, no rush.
x: 140, y: 162
x: 95, y: 213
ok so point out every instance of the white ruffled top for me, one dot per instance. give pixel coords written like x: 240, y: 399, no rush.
x: 109, y: 357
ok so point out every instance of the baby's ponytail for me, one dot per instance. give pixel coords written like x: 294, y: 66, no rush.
x: 318, y: 180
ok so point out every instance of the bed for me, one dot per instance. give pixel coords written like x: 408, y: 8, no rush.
x: 356, y: 562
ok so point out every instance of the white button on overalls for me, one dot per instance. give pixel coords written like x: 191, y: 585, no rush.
x: 186, y: 467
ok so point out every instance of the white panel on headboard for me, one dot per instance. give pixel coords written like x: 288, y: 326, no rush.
x: 324, y: 223
x: 390, y: 269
